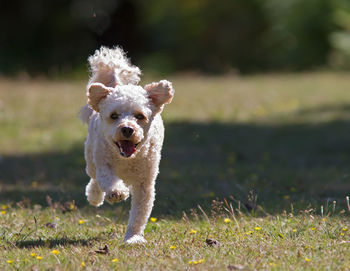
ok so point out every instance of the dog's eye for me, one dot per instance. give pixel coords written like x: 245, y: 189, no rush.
x: 140, y: 116
x: 114, y: 116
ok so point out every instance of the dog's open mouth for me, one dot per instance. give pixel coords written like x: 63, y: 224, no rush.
x: 126, y: 147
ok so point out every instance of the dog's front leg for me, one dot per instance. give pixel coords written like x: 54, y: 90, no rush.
x: 112, y: 185
x: 142, y: 198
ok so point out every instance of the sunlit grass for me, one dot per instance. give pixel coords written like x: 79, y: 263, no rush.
x: 270, y: 150
x: 286, y: 241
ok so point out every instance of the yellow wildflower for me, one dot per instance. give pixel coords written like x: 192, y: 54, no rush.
x: 227, y: 220
x: 3, y: 212
x: 345, y: 229
x: 9, y: 261
x: 153, y: 219
x: 257, y: 228
x: 286, y: 197
x: 81, y: 221
x: 71, y: 206
x: 82, y: 264
x: 272, y: 264
x: 55, y: 252
x: 196, y: 262
x: 33, y: 254
x: 172, y: 247
x: 294, y: 230
x: 193, y: 231
x: 115, y: 260
x: 4, y: 207
x: 342, y: 234
x: 313, y: 229
x: 39, y: 258
x: 248, y: 232
x: 307, y: 259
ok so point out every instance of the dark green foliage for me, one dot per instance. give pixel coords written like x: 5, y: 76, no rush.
x: 55, y: 37
x: 41, y: 36
x: 298, y: 33
x: 206, y: 35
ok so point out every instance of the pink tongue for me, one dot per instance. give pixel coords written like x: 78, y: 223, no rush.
x: 127, y: 147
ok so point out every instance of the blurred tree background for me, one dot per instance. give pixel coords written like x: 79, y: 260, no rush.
x: 55, y: 37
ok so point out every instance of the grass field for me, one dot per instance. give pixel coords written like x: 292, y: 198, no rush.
x: 259, y: 163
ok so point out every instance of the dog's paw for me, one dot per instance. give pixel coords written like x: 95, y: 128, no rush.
x: 94, y: 195
x: 115, y: 195
x: 95, y: 202
x: 135, y: 240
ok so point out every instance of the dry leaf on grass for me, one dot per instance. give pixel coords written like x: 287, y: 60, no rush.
x: 51, y: 225
x: 212, y: 242
x: 236, y: 267
x: 104, y: 250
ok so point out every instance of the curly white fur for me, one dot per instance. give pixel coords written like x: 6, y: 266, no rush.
x: 125, y: 136
x: 111, y: 67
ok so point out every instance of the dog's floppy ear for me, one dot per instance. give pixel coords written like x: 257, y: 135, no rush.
x: 160, y: 93
x: 96, y: 92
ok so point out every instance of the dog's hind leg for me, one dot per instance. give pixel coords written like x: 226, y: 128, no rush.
x: 142, y: 198
x: 94, y: 194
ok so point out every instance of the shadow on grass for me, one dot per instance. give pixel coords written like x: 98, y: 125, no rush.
x: 299, y: 163
x: 51, y: 243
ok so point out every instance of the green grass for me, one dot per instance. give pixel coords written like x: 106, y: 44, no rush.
x: 266, y: 152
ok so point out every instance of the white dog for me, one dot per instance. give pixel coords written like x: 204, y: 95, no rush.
x: 125, y: 136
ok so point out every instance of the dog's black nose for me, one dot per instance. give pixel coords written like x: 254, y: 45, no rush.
x: 127, y: 131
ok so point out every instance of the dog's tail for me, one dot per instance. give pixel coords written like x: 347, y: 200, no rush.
x: 85, y: 113
x: 111, y: 67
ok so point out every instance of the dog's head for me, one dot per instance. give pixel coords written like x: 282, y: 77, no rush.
x: 127, y: 112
